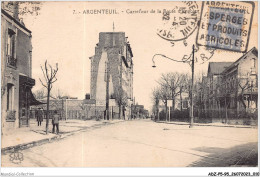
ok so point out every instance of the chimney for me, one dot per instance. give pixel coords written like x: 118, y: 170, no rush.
x: 12, y: 8
x: 16, y: 10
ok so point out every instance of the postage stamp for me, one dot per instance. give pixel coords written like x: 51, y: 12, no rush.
x: 180, y: 22
x: 225, y: 25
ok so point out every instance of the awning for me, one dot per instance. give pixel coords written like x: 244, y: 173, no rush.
x: 25, y: 81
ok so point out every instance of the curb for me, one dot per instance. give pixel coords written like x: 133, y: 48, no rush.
x: 28, y: 145
x: 48, y: 140
x: 233, y: 126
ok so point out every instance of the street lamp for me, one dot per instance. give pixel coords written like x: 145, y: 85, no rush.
x: 192, y: 79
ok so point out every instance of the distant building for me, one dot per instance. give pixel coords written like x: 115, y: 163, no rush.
x: 138, y: 111
x: 112, y: 74
x: 183, y: 102
x: 16, y: 68
x: 67, y: 108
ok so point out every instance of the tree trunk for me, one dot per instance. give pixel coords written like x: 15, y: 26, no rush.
x: 181, y: 99
x: 226, y: 111
x: 47, y: 113
x: 219, y: 109
x: 158, y: 112
x: 166, y: 111
x: 119, y: 112
x: 123, y: 111
x: 173, y: 107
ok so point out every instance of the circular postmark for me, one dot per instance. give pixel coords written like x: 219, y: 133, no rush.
x: 179, y: 22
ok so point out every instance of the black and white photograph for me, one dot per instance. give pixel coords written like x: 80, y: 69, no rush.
x: 118, y: 84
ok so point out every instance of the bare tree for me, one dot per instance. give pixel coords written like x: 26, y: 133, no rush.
x: 40, y: 94
x: 156, y: 99
x: 172, y: 82
x: 121, y: 99
x: 244, y: 84
x: 58, y: 93
x: 183, y: 86
x: 50, y: 77
x: 164, y: 96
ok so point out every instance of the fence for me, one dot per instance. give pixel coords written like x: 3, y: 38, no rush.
x: 230, y: 116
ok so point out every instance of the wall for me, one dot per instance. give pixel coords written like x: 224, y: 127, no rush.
x: 10, y: 74
x: 23, y: 55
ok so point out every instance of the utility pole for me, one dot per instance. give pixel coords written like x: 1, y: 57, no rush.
x: 169, y: 113
x: 107, y: 92
x: 113, y: 27
x: 192, y: 83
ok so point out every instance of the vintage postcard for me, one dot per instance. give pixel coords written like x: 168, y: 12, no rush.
x: 130, y: 84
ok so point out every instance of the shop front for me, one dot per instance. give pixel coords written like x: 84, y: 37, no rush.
x: 26, y: 99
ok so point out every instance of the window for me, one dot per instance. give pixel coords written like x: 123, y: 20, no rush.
x: 11, y: 43
x: 10, y: 96
x: 11, y: 60
x: 254, y: 62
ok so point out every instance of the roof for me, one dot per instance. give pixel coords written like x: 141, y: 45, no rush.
x: 254, y: 51
x: 139, y: 106
x: 89, y: 101
x: 218, y: 67
x: 16, y: 21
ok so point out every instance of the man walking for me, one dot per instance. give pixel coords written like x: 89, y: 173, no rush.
x: 55, y: 122
x: 39, y: 116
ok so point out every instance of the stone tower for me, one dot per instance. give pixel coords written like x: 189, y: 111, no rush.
x: 112, y: 62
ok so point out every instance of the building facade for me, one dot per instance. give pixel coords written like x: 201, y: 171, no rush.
x: 67, y: 108
x: 240, y: 84
x: 112, y: 75
x: 16, y: 68
x: 230, y: 90
x: 214, y: 76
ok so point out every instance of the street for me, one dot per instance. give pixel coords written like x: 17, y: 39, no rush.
x: 144, y: 143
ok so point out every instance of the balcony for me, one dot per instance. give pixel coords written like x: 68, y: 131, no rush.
x: 11, y: 61
x: 10, y: 117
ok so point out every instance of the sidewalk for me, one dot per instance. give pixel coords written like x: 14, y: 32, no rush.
x: 26, y: 137
x: 209, y: 124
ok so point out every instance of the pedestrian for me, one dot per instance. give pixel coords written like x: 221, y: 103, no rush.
x: 39, y: 116
x: 55, y: 122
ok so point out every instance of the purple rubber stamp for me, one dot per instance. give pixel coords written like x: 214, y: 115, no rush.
x: 225, y: 25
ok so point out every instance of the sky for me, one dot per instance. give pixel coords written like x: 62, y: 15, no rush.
x: 60, y: 34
